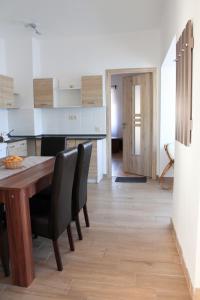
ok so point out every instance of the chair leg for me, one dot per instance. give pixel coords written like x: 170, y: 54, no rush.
x: 70, y: 238
x: 57, y: 255
x: 87, y: 222
x: 78, y: 227
x: 4, y: 252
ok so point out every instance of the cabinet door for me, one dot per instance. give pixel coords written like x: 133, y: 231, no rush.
x: 43, y: 90
x: 23, y: 148
x: 93, y: 162
x: 92, y: 91
x: 12, y: 149
x: 70, y: 144
x: 18, y: 148
x: 7, y: 92
x: 38, y: 147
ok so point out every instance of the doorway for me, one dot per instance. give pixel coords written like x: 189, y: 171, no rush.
x: 126, y: 128
x: 116, y: 124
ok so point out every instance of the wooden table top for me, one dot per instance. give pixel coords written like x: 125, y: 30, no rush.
x: 27, y: 177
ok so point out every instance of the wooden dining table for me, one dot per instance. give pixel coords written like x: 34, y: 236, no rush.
x: 15, y: 190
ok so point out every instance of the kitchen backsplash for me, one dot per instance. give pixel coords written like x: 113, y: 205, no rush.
x: 58, y: 121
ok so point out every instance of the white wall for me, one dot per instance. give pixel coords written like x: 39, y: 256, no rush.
x: 186, y: 211
x: 3, y: 70
x: 167, y: 105
x: 19, y: 66
x: 16, y: 61
x: 74, y: 120
x: 74, y: 57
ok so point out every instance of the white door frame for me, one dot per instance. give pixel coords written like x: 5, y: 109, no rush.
x: 109, y: 74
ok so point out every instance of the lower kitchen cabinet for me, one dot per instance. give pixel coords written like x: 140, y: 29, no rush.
x: 96, y: 163
x: 17, y: 148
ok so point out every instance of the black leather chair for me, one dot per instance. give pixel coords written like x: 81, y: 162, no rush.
x: 51, y: 146
x: 51, y: 215
x: 4, y: 250
x: 79, y: 192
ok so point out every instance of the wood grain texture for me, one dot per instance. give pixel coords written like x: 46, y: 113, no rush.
x: 43, y: 90
x: 15, y: 192
x: 129, y: 71
x: 138, y: 164
x: 127, y: 253
x: 92, y: 91
x: 7, y: 92
x: 184, y: 59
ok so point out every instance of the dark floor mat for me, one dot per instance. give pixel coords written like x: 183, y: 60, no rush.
x: 142, y: 179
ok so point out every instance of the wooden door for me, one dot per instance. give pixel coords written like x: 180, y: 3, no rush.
x: 137, y: 124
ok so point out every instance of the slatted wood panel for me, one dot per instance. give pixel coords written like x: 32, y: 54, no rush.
x: 184, y: 59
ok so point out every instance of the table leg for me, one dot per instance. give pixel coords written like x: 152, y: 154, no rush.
x: 20, y: 239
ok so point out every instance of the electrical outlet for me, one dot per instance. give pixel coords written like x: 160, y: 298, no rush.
x: 72, y: 117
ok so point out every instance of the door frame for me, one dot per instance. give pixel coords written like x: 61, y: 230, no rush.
x: 109, y: 74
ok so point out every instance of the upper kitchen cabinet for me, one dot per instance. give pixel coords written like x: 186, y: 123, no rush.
x: 69, y: 92
x: 7, y: 98
x: 49, y: 92
x: 92, y: 91
x: 44, y: 92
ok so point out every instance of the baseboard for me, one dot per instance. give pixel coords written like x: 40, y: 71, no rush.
x: 195, y: 293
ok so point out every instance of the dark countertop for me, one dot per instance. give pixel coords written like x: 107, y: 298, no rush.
x: 15, y: 138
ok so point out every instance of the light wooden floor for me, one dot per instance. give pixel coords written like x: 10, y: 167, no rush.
x: 127, y: 254
x: 117, y: 165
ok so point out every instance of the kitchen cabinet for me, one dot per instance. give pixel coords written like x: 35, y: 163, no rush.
x: 96, y: 166
x: 38, y: 147
x: 44, y: 91
x: 7, y: 99
x: 96, y: 163
x: 49, y: 93
x: 3, y: 150
x: 17, y: 148
x: 92, y: 91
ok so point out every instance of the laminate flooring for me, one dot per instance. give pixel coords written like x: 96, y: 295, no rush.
x: 128, y: 253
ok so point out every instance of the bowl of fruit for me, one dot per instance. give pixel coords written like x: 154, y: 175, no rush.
x: 13, y: 162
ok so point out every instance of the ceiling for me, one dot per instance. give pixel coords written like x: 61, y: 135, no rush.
x: 82, y: 17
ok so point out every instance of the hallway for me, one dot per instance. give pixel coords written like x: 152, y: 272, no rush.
x: 128, y: 253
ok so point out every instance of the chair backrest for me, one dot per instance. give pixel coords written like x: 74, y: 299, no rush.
x: 79, y: 193
x: 61, y: 197
x: 51, y: 146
